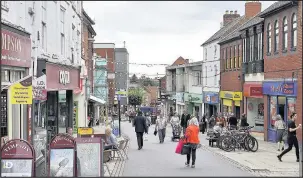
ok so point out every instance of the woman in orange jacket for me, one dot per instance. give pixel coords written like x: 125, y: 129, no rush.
x: 192, y: 138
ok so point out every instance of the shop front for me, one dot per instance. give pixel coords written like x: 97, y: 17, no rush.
x: 254, y: 105
x: 58, y: 110
x: 211, y: 103
x: 15, y: 63
x: 194, y: 104
x: 281, y: 98
x: 171, y: 105
x: 231, y: 102
x: 180, y: 105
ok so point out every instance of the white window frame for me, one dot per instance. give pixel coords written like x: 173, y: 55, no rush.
x: 44, y: 36
x: 205, y: 53
x: 205, y: 75
x: 216, y: 77
x: 294, y: 31
x: 285, y: 34
x: 62, y: 44
x: 4, y: 5
x: 244, y: 51
x: 276, y: 36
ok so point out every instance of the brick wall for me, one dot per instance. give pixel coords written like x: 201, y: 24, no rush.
x: 280, y: 65
x: 110, y: 52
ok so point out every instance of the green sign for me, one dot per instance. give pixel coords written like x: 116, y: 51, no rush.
x: 75, y: 118
x: 193, y: 98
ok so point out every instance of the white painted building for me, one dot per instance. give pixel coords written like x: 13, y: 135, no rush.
x: 54, y: 28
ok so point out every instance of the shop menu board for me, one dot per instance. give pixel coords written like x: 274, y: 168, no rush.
x: 62, y: 162
x: 16, y: 167
x: 89, y: 162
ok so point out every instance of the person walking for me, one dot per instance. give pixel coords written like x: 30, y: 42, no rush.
x: 243, y: 121
x: 280, y: 129
x: 292, y: 137
x: 148, y: 123
x: 184, y: 120
x: 140, y: 128
x: 203, y: 124
x: 161, y: 127
x: 192, y: 138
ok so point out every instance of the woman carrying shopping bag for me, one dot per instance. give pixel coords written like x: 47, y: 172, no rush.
x: 192, y: 140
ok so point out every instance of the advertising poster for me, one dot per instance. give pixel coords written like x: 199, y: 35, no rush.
x: 89, y: 159
x: 61, y: 163
x: 21, y: 92
x: 75, y: 118
x: 291, y: 108
x: 39, y: 88
x: 16, y: 168
x: 273, y: 110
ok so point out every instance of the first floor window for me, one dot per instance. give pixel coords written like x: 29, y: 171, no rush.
x: 62, y: 44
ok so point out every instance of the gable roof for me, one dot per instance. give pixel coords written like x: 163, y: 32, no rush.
x: 236, y: 33
x: 224, y: 30
x: 276, y: 6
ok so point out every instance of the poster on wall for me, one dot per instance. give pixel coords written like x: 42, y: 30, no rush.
x: 61, y: 163
x: 291, y: 108
x: 88, y: 157
x: 273, y: 110
x: 259, y: 121
x: 16, y: 167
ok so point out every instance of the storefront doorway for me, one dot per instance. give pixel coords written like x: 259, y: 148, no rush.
x: 281, y: 106
x: 237, y: 112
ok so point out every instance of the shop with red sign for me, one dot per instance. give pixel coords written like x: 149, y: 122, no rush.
x: 254, y: 105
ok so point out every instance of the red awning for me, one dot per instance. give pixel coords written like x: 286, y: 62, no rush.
x: 253, y: 89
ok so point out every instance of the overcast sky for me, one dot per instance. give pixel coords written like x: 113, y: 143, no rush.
x: 159, y: 31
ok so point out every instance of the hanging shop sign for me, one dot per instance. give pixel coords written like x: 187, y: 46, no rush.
x: 17, y: 159
x: 210, y: 98
x: 39, y: 88
x: 89, y: 152
x: 16, y: 48
x: 180, y: 97
x: 62, y: 156
x: 75, y: 118
x: 283, y: 88
x: 22, y: 92
x: 193, y: 98
x: 236, y: 96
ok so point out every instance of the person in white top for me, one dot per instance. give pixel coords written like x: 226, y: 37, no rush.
x: 161, y: 124
x: 281, y: 130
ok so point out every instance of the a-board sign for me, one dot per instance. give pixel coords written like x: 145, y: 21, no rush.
x: 17, y: 159
x: 85, y: 131
x: 89, y: 157
x: 62, y: 156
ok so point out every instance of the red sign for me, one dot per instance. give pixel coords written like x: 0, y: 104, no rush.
x: 62, y: 141
x: 256, y: 91
x: 16, y: 49
x: 17, y: 149
x: 60, y: 77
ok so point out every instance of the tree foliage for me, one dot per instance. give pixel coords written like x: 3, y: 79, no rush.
x: 135, y: 96
x: 134, y: 79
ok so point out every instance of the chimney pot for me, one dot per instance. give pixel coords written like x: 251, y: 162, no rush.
x: 226, y: 12
x: 231, y: 12
x: 236, y: 11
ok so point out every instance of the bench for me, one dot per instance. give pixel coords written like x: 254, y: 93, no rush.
x: 211, y: 141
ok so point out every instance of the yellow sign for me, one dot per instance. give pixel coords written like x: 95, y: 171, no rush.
x: 121, y: 93
x: 21, y: 92
x: 85, y: 131
x: 236, y: 96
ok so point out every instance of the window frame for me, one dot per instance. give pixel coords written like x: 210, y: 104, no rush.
x: 294, y: 31
x: 268, y: 32
x: 215, y: 76
x: 285, y: 34
x: 44, y: 36
x: 276, y: 36
x: 235, y: 57
x: 230, y: 57
x: 239, y: 56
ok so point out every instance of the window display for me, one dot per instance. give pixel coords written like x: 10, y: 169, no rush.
x: 291, y: 106
x: 273, y: 110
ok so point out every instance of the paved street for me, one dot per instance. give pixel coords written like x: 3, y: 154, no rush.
x: 161, y: 160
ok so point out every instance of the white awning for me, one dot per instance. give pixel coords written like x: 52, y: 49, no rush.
x: 91, y: 97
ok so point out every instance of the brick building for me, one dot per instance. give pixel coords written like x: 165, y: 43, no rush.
x: 282, y: 85
x: 107, y: 51
x: 231, y: 78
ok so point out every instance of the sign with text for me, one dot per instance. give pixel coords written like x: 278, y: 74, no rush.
x: 21, y: 92
x: 17, y: 159
x: 211, y: 98
x: 64, y: 77
x: 39, y: 88
x: 280, y: 88
x: 236, y: 96
x: 193, y: 98
x: 16, y: 49
x: 85, y: 131
x: 89, y: 157
x: 75, y: 117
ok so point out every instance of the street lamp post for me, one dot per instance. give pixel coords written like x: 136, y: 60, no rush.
x: 119, y: 112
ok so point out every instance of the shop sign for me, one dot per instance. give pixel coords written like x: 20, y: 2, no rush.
x: 21, y: 92
x: 16, y: 49
x: 280, y: 88
x: 85, y: 131
x: 256, y: 91
x: 64, y: 77
x: 180, y: 97
x: 75, y: 118
x: 39, y: 88
x: 193, y: 98
x: 210, y: 98
x: 236, y: 96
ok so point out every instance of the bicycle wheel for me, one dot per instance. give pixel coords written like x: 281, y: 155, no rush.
x: 228, y: 144
x: 251, y: 143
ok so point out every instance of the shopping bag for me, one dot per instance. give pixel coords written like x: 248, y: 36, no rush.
x: 186, y: 149
x: 145, y: 137
x: 179, y: 147
x: 155, y: 132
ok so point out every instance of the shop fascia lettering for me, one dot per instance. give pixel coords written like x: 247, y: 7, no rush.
x: 11, y: 43
x: 284, y: 88
x: 15, y: 146
x: 64, y: 77
x: 193, y: 98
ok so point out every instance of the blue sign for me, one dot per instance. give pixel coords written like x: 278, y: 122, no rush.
x: 210, y: 97
x: 280, y: 88
x: 180, y: 97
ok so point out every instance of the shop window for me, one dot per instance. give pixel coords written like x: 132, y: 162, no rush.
x: 40, y: 132
x: 273, y: 111
x: 5, y: 75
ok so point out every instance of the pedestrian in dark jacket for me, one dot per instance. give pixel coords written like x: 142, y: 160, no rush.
x: 233, y: 122
x: 140, y: 128
x: 184, y: 120
x: 243, y: 122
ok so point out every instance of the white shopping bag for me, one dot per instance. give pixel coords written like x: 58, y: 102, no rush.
x: 145, y: 137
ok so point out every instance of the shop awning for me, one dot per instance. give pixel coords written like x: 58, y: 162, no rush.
x: 95, y: 99
x: 253, y: 89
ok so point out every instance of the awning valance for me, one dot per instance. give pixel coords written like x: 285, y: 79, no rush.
x: 95, y: 99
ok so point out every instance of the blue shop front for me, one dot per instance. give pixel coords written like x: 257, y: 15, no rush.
x: 211, y: 103
x: 281, y: 97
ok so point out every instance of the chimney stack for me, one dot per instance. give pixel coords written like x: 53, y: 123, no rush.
x: 229, y: 16
x: 236, y: 11
x: 252, y: 8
